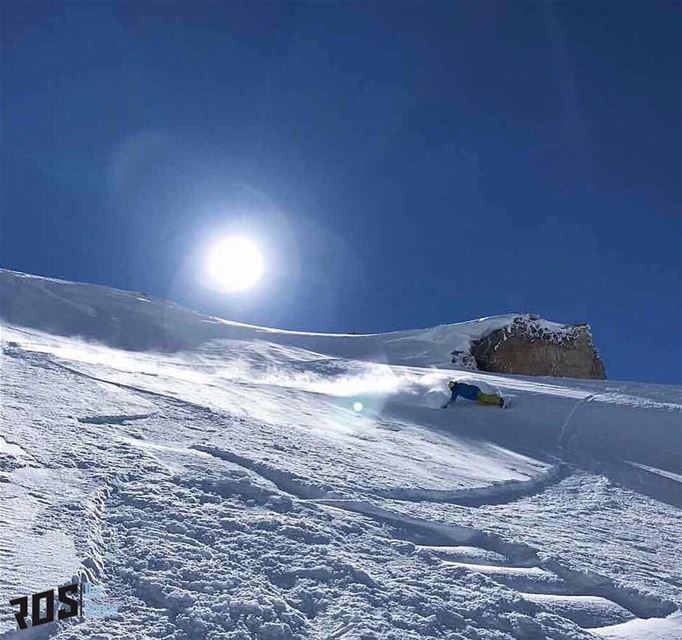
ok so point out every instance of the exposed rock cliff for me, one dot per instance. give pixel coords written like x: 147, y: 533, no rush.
x: 529, y: 346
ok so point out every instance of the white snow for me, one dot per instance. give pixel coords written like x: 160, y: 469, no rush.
x: 222, y: 481
x: 669, y: 628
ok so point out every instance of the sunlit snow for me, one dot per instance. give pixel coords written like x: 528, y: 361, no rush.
x: 222, y: 481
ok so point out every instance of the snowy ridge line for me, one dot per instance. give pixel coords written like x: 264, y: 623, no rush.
x: 66, y: 286
x: 94, y: 312
x: 583, y: 583
x: 497, y: 493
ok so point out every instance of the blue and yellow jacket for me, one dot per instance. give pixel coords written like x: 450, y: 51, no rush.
x: 468, y: 391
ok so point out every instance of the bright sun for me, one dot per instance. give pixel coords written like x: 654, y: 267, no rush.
x: 234, y: 264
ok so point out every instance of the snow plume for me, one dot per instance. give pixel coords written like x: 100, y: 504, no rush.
x: 326, y: 376
x: 94, y: 354
x: 368, y: 379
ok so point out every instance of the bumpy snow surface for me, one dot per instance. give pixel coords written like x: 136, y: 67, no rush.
x: 224, y: 482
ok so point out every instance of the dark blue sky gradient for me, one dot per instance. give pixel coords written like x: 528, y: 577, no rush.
x: 403, y: 165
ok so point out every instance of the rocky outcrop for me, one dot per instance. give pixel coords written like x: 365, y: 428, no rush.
x: 531, y: 346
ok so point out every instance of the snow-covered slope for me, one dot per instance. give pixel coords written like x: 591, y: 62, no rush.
x: 138, y: 322
x: 219, y: 480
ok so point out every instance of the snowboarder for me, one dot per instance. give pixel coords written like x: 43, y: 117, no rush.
x: 472, y: 392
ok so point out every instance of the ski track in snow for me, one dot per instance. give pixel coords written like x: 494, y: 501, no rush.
x: 499, y: 493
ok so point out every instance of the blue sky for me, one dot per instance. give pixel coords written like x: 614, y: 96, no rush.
x: 402, y: 164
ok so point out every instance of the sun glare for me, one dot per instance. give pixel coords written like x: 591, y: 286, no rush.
x: 234, y: 264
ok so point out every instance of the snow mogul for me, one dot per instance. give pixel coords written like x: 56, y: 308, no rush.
x: 472, y: 392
